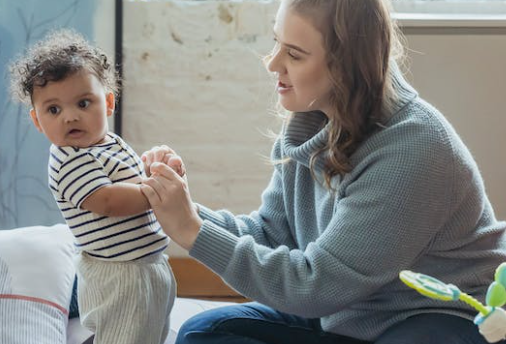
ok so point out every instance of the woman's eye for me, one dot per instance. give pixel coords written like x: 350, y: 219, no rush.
x: 53, y: 110
x: 84, y: 103
x: 276, y: 46
x: 292, y: 55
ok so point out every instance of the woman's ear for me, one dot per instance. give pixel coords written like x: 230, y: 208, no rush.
x: 110, y: 102
x: 35, y: 120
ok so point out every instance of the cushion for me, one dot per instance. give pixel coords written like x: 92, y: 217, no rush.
x: 36, y: 278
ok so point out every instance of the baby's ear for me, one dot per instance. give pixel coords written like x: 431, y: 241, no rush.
x: 110, y: 103
x: 35, y: 120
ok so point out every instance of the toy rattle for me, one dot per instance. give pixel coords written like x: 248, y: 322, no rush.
x: 491, y: 319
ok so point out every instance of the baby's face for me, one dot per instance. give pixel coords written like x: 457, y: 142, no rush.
x: 73, y: 111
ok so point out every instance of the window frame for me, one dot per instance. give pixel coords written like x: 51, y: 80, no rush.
x: 462, y: 7
x: 450, y: 13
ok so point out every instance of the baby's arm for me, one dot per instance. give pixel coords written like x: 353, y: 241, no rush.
x: 118, y: 199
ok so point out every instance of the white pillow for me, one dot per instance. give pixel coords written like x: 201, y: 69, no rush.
x: 36, y: 278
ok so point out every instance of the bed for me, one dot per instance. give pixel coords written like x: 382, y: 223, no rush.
x: 36, y: 285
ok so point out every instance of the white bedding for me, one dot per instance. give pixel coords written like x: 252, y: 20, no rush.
x: 36, y: 281
x: 183, y: 310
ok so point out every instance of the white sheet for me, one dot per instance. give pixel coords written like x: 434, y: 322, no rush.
x: 183, y: 310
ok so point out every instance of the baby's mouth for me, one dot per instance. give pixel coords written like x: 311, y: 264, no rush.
x: 74, y: 132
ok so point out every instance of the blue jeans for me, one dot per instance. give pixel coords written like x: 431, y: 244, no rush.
x: 254, y: 323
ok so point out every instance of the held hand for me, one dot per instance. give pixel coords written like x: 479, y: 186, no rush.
x: 170, y: 199
x: 163, y: 154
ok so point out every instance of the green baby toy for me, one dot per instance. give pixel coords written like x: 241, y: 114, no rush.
x: 491, y: 319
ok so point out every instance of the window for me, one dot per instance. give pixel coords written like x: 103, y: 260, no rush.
x: 462, y: 7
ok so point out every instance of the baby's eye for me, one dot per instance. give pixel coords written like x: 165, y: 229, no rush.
x: 84, y: 103
x: 53, y: 110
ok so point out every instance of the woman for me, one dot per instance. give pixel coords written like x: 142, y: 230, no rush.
x: 368, y: 180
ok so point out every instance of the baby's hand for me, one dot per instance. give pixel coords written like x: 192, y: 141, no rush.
x: 163, y: 154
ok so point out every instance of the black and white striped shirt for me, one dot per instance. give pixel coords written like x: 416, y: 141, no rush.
x: 75, y: 173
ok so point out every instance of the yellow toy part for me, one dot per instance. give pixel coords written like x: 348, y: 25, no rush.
x: 435, y: 289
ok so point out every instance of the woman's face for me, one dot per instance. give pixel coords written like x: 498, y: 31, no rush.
x: 299, y: 63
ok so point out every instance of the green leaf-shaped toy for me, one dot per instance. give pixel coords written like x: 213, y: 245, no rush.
x: 496, y: 295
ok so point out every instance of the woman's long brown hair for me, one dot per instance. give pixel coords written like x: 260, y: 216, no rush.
x: 360, y: 40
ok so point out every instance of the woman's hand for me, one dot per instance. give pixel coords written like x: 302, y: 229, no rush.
x: 163, y: 154
x: 170, y: 199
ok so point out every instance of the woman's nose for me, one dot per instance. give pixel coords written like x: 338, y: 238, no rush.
x: 273, y: 61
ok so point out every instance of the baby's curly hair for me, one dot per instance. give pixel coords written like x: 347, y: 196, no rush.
x: 60, y: 54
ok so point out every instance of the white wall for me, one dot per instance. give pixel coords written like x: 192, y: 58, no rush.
x: 464, y: 74
x: 194, y: 80
x: 104, y: 32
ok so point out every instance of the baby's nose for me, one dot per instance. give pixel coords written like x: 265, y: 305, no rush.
x: 71, y: 116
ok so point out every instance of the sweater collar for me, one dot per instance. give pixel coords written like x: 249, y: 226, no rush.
x: 307, y: 132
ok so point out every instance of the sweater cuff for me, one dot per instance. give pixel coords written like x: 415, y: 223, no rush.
x: 207, y: 214
x: 214, y: 247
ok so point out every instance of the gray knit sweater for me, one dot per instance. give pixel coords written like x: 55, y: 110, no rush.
x: 414, y: 200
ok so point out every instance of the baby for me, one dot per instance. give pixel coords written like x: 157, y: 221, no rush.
x: 126, y: 287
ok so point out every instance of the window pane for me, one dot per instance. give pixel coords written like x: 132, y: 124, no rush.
x: 495, y: 7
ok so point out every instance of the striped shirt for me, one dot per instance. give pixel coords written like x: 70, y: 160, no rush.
x: 75, y: 173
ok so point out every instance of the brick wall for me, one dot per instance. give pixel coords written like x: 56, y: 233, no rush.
x: 194, y: 79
